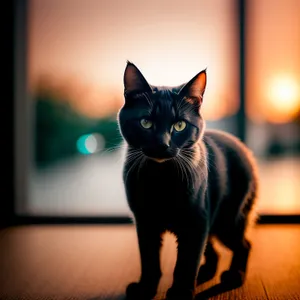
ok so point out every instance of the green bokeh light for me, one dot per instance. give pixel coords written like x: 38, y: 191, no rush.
x: 82, y: 144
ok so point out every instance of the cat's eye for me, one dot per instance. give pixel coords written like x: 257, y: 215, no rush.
x: 146, y: 123
x: 179, y: 126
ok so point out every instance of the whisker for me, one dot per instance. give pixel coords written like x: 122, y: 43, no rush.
x: 184, y: 168
x: 178, y: 167
x: 132, y: 167
x: 188, y: 156
x: 202, y: 162
x: 130, y: 156
x: 142, y: 163
x: 111, y: 149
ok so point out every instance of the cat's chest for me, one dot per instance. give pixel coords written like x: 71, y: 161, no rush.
x: 159, y: 186
x: 162, y: 193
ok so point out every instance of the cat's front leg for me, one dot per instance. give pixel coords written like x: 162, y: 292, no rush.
x: 149, y: 246
x: 191, y: 243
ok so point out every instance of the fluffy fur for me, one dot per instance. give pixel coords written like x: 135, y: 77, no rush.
x: 193, y: 182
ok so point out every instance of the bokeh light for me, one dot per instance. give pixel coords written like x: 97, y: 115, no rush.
x: 90, y: 143
x: 283, y: 99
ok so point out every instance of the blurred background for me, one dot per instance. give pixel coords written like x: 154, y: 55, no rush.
x: 76, y: 53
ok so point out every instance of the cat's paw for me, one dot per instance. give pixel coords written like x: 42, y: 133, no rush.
x: 135, y: 291
x: 206, y: 272
x: 234, y: 278
x: 176, y: 293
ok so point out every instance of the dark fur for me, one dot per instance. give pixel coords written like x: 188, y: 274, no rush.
x: 213, y: 200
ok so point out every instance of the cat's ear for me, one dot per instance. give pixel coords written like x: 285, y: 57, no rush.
x: 134, y: 81
x: 195, y: 88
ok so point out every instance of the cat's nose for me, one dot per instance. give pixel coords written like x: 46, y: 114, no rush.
x: 158, y: 150
x: 163, y: 142
x: 162, y: 147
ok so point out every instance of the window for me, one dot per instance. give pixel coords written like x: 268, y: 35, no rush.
x: 69, y: 159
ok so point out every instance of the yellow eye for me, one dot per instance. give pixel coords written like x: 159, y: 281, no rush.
x: 146, y: 123
x: 179, y: 126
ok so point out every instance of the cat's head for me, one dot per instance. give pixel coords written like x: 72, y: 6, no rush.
x: 161, y: 121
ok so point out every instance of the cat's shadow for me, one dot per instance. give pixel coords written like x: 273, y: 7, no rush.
x: 204, y: 295
x: 215, y: 290
x: 116, y: 297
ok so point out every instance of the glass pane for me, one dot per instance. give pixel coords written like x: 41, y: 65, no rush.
x: 273, y: 101
x: 77, y: 56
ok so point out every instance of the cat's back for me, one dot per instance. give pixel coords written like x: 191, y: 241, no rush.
x: 232, y: 176
x: 230, y: 146
x: 223, y: 137
x: 228, y: 156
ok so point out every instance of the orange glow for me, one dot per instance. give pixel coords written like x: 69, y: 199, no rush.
x: 283, y: 99
x: 92, y: 41
x: 273, y: 60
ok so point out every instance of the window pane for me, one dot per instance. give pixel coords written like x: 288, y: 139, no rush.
x: 273, y: 106
x: 77, y: 55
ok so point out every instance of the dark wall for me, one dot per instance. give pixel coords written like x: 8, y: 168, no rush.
x: 6, y: 120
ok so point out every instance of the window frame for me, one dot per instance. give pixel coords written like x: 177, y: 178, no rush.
x: 18, y: 149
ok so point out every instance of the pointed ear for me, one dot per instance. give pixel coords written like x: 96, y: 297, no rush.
x: 195, y: 88
x: 134, y: 81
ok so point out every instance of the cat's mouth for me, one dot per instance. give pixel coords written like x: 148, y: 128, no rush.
x: 159, y: 156
x: 159, y: 160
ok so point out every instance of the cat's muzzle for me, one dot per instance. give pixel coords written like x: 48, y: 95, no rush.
x: 160, y: 154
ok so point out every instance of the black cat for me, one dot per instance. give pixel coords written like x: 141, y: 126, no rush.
x: 180, y: 178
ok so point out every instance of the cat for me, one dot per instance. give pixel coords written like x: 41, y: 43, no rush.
x: 178, y: 177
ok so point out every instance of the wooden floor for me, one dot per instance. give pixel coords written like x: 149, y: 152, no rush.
x: 97, y: 262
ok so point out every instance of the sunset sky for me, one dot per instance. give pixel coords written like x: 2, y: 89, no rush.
x: 88, y: 42
x: 84, y: 45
